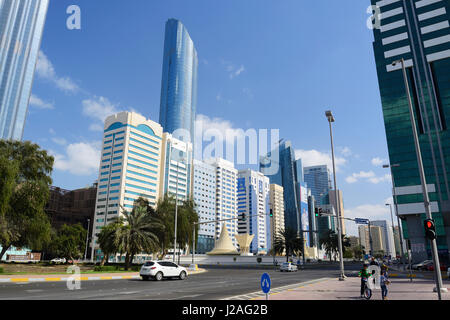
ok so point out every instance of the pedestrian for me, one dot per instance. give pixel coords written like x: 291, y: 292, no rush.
x: 365, y: 275
x: 384, y: 282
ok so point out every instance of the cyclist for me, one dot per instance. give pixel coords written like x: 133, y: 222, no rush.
x: 364, y: 274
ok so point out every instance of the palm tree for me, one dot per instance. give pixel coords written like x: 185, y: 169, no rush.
x: 288, y: 240
x: 108, y: 239
x: 329, y: 241
x: 138, y: 233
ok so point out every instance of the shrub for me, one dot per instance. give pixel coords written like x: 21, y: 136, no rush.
x: 105, y: 268
x: 1, y: 270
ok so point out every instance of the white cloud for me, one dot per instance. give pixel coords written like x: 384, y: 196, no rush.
x: 98, y: 108
x: 60, y: 141
x: 316, y: 158
x: 39, y: 103
x: 80, y: 159
x: 51, y: 131
x: 248, y: 93
x: 370, y: 176
x: 232, y: 69
x: 366, y: 211
x: 345, y: 151
x: 45, y: 70
x: 378, y: 162
x: 237, y: 72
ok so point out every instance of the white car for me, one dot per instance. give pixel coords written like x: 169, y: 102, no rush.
x: 58, y: 260
x: 162, y: 269
x: 288, y: 267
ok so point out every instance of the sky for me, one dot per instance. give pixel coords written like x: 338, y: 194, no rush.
x: 263, y: 64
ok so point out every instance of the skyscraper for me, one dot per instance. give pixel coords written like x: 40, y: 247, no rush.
x: 276, y: 203
x: 130, y: 167
x: 318, y: 179
x: 205, y: 201
x: 287, y: 177
x: 179, y: 80
x: 388, y: 236
x: 21, y: 26
x: 418, y: 32
x: 253, y: 201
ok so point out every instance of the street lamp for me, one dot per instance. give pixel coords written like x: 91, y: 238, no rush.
x: 400, y: 233
x: 434, y: 251
x: 87, y: 239
x: 330, y: 118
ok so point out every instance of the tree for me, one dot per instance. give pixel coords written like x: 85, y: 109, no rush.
x: 137, y: 233
x: 186, y: 219
x: 24, y: 222
x: 70, y: 241
x: 165, y: 215
x: 358, y: 252
x: 290, y: 242
x: 329, y: 241
x: 108, y: 239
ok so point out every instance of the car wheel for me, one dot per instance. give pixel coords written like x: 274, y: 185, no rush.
x: 159, y: 276
x: 145, y: 278
x: 182, y: 275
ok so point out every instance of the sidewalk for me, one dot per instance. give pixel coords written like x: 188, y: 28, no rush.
x: 83, y: 277
x: 333, y: 289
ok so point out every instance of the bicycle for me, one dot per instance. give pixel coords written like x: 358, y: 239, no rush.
x: 367, y: 291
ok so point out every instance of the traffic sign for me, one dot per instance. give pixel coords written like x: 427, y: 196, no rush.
x: 361, y: 221
x: 265, y: 283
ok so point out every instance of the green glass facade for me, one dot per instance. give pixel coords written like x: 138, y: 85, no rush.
x: 418, y: 32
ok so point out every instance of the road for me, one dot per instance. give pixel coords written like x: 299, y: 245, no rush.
x: 212, y: 285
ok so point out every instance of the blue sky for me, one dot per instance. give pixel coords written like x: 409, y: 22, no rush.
x: 262, y: 64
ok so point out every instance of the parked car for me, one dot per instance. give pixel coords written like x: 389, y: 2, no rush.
x: 288, y: 267
x: 430, y: 267
x: 58, y: 260
x: 421, y: 265
x: 162, y: 269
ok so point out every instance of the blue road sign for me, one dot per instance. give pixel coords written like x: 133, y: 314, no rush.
x: 361, y: 221
x: 265, y: 283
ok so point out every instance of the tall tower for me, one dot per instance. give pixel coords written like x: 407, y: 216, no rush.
x: 21, y: 26
x: 179, y: 80
x: 418, y: 32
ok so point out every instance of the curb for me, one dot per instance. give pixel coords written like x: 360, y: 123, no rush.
x: 81, y: 278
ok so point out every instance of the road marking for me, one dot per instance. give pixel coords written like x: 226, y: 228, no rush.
x: 52, y: 279
x: 257, y: 294
x: 19, y: 280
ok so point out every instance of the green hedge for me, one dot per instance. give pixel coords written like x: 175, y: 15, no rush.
x: 1, y: 270
x: 106, y: 268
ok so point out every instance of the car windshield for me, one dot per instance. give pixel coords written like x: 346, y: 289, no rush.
x: 149, y: 263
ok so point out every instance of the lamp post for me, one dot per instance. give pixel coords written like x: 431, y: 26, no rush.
x: 180, y: 159
x: 434, y: 250
x: 392, y: 221
x: 400, y: 233
x: 87, y: 239
x: 330, y: 118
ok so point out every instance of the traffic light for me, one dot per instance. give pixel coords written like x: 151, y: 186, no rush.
x: 271, y: 213
x: 318, y: 212
x: 430, y: 229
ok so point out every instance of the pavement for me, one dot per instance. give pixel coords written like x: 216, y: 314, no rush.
x: 333, y: 289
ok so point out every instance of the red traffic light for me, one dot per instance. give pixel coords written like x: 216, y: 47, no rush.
x: 430, y: 229
x: 429, y: 224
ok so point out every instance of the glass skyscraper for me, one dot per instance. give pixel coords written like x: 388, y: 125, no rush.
x: 288, y: 178
x: 418, y: 32
x: 21, y: 26
x: 179, y: 80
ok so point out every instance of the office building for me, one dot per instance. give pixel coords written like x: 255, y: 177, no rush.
x: 130, y: 167
x: 388, y: 236
x: 287, y: 177
x: 226, y: 197
x: 332, y: 199
x: 204, y: 193
x: 372, y: 241
x: 253, y: 202
x: 179, y: 80
x: 276, y: 204
x: 418, y: 32
x: 21, y: 27
x: 318, y: 179
x: 176, y: 168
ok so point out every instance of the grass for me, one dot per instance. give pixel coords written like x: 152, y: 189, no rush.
x: 43, y: 269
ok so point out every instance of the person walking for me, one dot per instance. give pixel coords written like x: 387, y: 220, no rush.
x: 384, y: 281
x: 365, y: 275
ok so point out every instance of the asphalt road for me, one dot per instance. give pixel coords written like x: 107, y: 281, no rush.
x: 212, y: 285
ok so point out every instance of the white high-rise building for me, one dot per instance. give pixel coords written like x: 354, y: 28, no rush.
x: 130, y: 167
x: 253, y: 201
x: 276, y: 203
x: 176, y: 167
x: 204, y: 193
x: 226, y: 181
